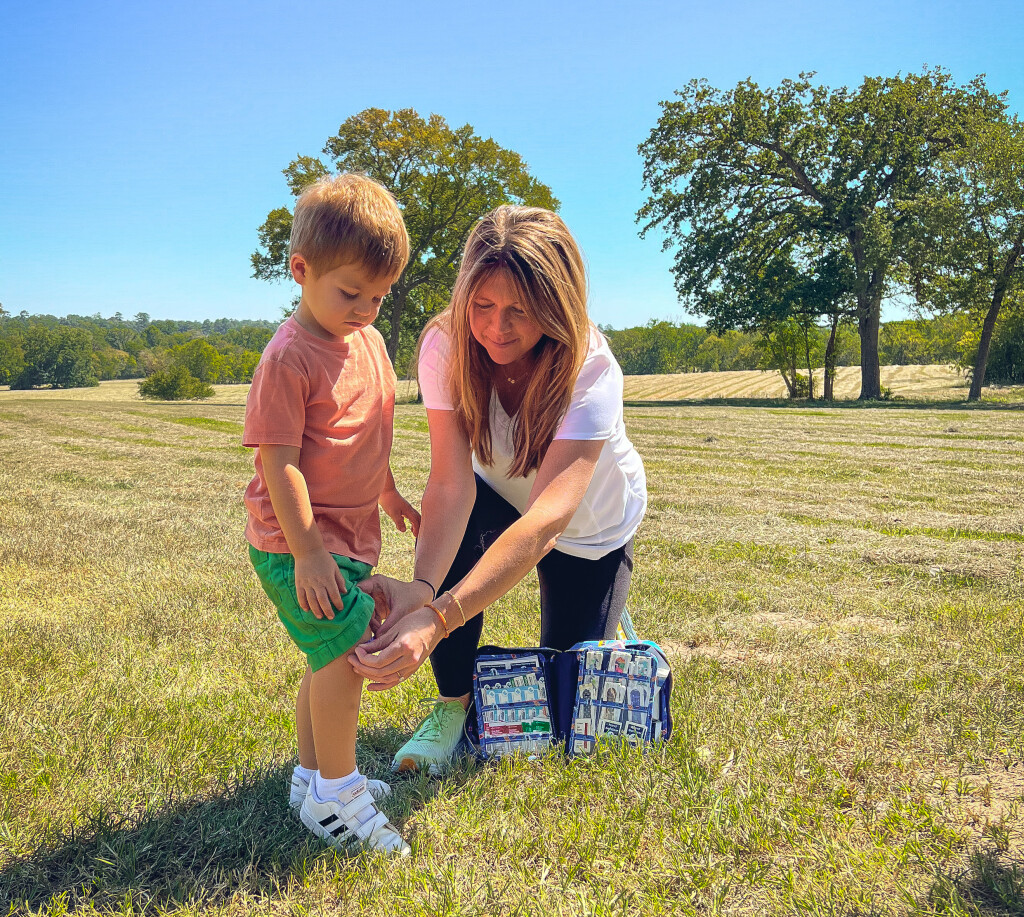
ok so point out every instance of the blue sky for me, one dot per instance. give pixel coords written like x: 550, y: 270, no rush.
x: 141, y: 144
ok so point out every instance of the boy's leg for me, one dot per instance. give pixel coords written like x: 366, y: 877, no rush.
x: 582, y: 599
x: 302, y: 774
x: 304, y: 724
x: 340, y: 807
x: 334, y: 694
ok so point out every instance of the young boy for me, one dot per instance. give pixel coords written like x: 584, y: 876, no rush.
x: 320, y: 415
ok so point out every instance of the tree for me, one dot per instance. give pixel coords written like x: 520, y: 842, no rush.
x: 969, y: 252
x: 12, y: 359
x: 1006, y: 358
x: 60, y: 357
x: 199, y: 358
x: 743, y: 174
x: 443, y: 178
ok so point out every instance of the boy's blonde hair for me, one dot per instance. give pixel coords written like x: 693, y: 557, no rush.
x: 346, y: 219
x: 534, y: 250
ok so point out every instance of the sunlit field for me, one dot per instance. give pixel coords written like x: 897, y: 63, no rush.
x: 840, y: 591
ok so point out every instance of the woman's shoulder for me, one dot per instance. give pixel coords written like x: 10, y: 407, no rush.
x: 599, y: 364
x: 432, y: 367
x: 435, y: 337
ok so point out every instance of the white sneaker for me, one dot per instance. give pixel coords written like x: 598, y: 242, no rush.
x: 300, y: 787
x: 335, y: 822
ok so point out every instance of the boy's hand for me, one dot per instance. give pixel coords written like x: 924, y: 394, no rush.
x: 399, y: 509
x: 319, y: 584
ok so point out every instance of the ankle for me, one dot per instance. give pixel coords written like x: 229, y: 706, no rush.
x: 325, y: 788
x: 463, y: 699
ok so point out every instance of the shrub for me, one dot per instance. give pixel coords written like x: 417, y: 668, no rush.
x: 801, y: 388
x: 176, y: 384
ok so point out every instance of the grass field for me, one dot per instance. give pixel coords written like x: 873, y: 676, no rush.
x: 840, y: 591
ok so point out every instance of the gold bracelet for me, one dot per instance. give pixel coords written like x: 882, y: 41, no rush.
x: 444, y: 623
x: 458, y: 605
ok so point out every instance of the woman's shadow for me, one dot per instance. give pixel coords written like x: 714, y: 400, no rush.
x: 200, y: 850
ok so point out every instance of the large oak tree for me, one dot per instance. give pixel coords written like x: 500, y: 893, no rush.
x: 737, y: 177
x: 443, y: 178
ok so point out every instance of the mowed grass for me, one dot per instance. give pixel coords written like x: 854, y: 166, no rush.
x: 928, y: 383
x: 932, y: 383
x: 840, y: 591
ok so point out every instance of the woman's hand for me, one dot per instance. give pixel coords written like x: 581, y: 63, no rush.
x: 393, y: 600
x: 398, y: 510
x: 391, y: 657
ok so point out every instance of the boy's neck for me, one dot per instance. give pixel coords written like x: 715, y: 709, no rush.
x: 305, y: 318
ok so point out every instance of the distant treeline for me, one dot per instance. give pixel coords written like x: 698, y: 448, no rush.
x: 669, y: 347
x: 80, y: 350
x: 77, y: 350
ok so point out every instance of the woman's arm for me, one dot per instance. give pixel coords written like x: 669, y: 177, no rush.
x: 445, y: 508
x: 562, y: 480
x: 448, y: 498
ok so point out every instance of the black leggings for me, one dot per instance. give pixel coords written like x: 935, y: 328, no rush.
x: 580, y: 599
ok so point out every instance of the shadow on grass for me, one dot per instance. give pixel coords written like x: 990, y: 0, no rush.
x: 812, y: 406
x: 989, y: 887
x: 201, y: 850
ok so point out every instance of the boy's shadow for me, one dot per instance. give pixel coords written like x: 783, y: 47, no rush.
x: 200, y: 850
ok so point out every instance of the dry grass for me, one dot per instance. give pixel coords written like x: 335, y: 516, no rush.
x: 934, y: 383
x: 840, y: 591
x: 929, y: 383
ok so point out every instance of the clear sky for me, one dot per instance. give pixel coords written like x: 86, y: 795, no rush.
x: 141, y: 144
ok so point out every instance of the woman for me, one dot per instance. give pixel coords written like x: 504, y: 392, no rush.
x: 529, y: 467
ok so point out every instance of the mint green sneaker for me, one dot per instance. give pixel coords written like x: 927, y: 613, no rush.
x: 435, y: 740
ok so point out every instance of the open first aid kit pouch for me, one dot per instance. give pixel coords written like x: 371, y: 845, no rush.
x: 528, y: 698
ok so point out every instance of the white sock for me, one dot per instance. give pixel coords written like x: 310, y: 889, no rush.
x: 325, y: 789
x: 305, y: 773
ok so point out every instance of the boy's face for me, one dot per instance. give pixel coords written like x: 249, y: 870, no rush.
x: 338, y: 303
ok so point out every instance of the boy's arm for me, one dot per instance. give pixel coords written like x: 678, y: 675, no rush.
x: 397, y: 507
x: 318, y: 581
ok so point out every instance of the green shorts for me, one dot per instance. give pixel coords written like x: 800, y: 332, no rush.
x: 321, y: 640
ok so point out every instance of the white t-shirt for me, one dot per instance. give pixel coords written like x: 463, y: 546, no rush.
x: 616, y: 499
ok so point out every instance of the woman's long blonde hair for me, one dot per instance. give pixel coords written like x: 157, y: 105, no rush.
x: 534, y: 250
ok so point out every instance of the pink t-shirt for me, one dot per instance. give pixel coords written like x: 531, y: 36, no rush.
x: 336, y: 402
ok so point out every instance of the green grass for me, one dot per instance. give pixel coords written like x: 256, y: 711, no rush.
x: 844, y: 622
x: 207, y: 423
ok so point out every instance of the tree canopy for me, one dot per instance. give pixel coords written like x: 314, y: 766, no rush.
x: 968, y: 255
x: 443, y: 178
x: 738, y: 177
x: 76, y: 350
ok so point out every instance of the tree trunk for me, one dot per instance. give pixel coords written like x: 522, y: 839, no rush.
x: 869, y: 310
x: 985, y: 343
x: 398, y: 298
x: 810, y: 369
x: 981, y: 360
x: 830, y: 360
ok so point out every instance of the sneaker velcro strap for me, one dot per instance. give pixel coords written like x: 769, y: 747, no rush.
x: 337, y: 829
x: 372, y: 828
x: 354, y: 806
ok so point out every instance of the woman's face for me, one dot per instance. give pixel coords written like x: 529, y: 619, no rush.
x: 499, y: 322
